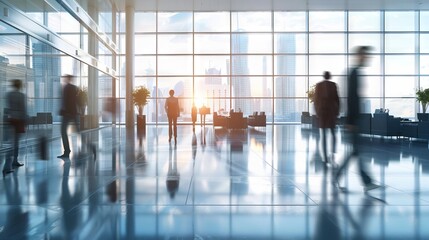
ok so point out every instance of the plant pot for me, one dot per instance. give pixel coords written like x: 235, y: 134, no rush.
x: 423, y: 117
x: 141, y: 123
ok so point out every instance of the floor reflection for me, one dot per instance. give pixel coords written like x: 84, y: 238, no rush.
x: 258, y: 183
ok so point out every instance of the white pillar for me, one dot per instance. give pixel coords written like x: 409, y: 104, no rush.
x: 129, y: 68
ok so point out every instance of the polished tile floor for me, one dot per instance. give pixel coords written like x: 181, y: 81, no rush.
x: 263, y: 183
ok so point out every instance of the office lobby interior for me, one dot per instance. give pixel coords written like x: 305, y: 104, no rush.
x: 124, y: 179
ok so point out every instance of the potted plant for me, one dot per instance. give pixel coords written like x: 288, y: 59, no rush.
x: 140, y: 99
x: 310, y: 93
x: 82, y: 99
x: 422, y: 95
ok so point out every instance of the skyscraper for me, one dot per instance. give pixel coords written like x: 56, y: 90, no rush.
x: 285, y: 109
x: 240, y: 80
x: 46, y: 79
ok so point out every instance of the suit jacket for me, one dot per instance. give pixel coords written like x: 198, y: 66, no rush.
x: 353, y: 98
x: 326, y: 103
x: 69, y: 105
x: 16, y: 104
x: 172, y: 107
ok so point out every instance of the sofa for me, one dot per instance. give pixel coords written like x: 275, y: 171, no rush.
x: 385, y: 125
x: 257, y: 119
x: 237, y: 121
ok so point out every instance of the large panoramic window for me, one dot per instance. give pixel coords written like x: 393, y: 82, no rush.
x: 267, y: 61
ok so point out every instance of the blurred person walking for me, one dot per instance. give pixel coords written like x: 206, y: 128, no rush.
x: 351, y: 124
x: 173, y: 112
x: 327, y: 106
x: 17, y: 115
x: 69, y: 112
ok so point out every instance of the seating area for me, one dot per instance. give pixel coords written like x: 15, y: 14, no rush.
x: 382, y: 124
x: 234, y: 121
x: 40, y: 118
x: 257, y: 119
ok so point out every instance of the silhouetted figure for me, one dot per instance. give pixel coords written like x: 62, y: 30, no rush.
x: 69, y: 112
x: 353, y: 112
x: 194, y: 117
x: 173, y: 112
x: 17, y: 115
x: 327, y: 105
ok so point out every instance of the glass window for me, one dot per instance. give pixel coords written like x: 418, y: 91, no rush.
x: 424, y: 20
x: 175, y: 22
x: 145, y: 44
x: 212, y: 65
x: 400, y: 86
x: 212, y: 43
x: 12, y: 48
x: 424, y: 43
x: 175, y: 65
x: 289, y: 110
x: 212, y: 22
x: 336, y: 64
x: 145, y: 22
x: 424, y: 82
x: 290, y: 86
x: 400, y: 21
x: 401, y: 107
x: 327, y: 21
x: 290, y: 65
x: 174, y: 43
x: 399, y: 64
x: 365, y: 39
x: 424, y: 64
x: 251, y: 65
x: 214, y: 87
x: 327, y: 43
x: 290, y: 21
x: 251, y: 21
x: 373, y: 66
x: 251, y: 43
x: 145, y: 65
x: 369, y: 105
x: 371, y: 87
x: 400, y: 43
x: 290, y: 43
x: 364, y: 21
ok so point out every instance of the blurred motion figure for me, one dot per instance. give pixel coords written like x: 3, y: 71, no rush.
x: 16, y: 102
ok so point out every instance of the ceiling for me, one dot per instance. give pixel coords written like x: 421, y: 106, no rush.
x: 268, y: 5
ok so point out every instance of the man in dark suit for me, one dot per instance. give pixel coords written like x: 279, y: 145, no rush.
x: 17, y: 115
x: 353, y: 111
x: 327, y: 106
x: 173, y: 112
x: 68, y: 112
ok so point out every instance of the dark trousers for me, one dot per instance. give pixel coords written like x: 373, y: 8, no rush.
x: 13, y: 156
x: 334, y: 142
x: 353, y: 135
x: 64, y: 125
x: 172, y: 126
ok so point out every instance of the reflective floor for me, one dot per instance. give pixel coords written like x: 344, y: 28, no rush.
x: 263, y: 183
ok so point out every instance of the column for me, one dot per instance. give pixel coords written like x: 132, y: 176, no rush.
x: 129, y: 68
x: 93, y: 74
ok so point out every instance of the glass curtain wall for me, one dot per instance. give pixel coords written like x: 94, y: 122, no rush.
x: 41, y: 66
x: 267, y: 61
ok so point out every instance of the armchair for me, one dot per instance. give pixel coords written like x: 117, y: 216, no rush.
x: 257, y: 120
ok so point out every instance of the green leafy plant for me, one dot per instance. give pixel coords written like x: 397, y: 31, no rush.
x: 140, y: 97
x: 422, y: 95
x: 82, y: 99
x: 310, y: 93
